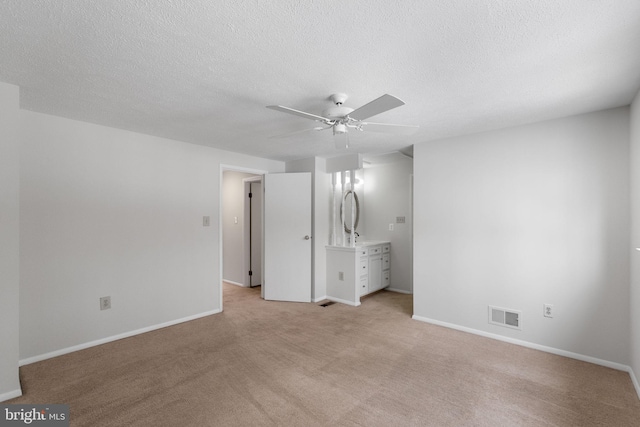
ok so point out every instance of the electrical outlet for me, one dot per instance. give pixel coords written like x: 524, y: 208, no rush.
x: 206, y: 221
x: 391, y: 227
x: 105, y: 303
x: 340, y: 275
x: 548, y: 310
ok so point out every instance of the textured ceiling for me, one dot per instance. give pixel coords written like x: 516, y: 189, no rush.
x: 203, y: 71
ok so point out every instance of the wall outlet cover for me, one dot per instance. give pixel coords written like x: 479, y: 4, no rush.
x: 105, y: 303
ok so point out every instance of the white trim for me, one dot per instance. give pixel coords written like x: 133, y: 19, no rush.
x: 253, y: 179
x: 344, y: 301
x: 235, y: 283
x: 71, y: 349
x: 634, y: 380
x: 319, y: 299
x: 400, y: 291
x: 225, y: 167
x: 582, y: 357
x: 10, y: 395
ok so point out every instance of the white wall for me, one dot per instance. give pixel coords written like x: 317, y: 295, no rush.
x: 232, y: 231
x: 525, y: 216
x: 111, y: 212
x: 9, y: 240
x: 635, y: 241
x: 321, y: 227
x: 387, y: 189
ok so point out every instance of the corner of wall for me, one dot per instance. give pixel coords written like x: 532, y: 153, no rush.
x: 634, y: 381
x: 634, y: 283
x: 9, y: 240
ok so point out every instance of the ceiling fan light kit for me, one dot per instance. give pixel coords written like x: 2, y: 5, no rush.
x: 339, y: 128
x: 340, y: 118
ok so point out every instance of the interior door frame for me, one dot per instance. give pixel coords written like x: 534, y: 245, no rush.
x: 247, y: 227
x: 223, y: 168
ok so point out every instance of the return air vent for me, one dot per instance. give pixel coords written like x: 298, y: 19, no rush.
x: 504, y: 317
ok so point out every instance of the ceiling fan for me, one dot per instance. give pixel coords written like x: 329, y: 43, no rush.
x: 341, y: 119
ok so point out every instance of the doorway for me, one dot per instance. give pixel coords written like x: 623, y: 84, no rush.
x: 253, y: 203
x: 234, y: 226
x: 290, y: 194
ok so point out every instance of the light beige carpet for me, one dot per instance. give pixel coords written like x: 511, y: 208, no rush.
x: 275, y: 363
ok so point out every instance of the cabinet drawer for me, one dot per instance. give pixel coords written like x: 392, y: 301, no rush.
x: 386, y: 279
x: 375, y: 250
x: 364, y: 266
x: 364, y: 285
x: 386, y: 263
x: 364, y: 251
x: 386, y: 249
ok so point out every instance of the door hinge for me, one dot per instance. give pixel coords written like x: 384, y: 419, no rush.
x: 250, y: 273
x: 250, y: 195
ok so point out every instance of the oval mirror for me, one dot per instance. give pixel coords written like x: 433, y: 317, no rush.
x: 345, y: 211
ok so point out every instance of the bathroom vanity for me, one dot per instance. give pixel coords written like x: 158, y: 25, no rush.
x: 356, y: 271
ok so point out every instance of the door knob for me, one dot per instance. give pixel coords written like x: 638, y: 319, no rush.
x: 307, y: 237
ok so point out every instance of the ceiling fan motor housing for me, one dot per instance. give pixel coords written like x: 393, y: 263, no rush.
x: 337, y: 112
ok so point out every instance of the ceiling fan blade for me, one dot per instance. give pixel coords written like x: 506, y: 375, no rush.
x: 379, y: 105
x: 389, y: 128
x: 284, y: 135
x: 298, y: 113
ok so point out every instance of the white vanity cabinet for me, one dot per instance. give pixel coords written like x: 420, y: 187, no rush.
x: 356, y: 271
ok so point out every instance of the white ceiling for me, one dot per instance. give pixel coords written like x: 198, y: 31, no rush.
x: 202, y: 71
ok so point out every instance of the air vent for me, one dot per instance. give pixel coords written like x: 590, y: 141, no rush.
x: 327, y: 304
x: 504, y: 317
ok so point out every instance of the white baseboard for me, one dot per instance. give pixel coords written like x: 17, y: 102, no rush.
x: 235, y: 283
x: 634, y: 380
x: 10, y: 395
x: 400, y: 291
x: 319, y: 299
x: 343, y: 301
x: 71, y: 349
x: 582, y: 357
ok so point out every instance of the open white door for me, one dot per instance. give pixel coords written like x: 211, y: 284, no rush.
x: 287, y: 237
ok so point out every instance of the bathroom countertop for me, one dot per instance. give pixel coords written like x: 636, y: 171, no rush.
x: 359, y: 244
